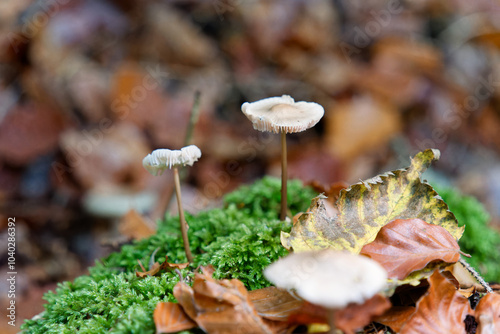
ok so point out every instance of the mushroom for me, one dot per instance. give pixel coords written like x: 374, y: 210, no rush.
x: 159, y: 160
x: 328, y: 278
x: 283, y: 115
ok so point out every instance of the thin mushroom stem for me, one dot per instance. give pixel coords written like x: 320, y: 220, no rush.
x: 182, y: 219
x: 284, y: 176
x: 331, y: 322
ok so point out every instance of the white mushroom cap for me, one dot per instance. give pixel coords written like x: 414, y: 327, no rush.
x: 328, y: 278
x: 276, y: 114
x: 159, y: 160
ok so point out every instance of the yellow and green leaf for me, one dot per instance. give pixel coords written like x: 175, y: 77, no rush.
x: 366, y: 207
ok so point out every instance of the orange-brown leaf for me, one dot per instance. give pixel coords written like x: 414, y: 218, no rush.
x: 171, y: 318
x: 406, y: 245
x: 274, y: 304
x: 220, y: 307
x: 442, y: 309
x: 156, y: 268
x: 135, y: 226
x: 396, y: 317
x: 356, y: 316
x: 488, y: 314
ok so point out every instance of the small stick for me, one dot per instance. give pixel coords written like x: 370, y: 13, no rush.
x: 476, y: 275
x: 182, y: 219
x: 193, y: 119
x: 284, y: 176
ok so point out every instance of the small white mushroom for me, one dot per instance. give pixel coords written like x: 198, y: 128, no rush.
x: 283, y: 115
x: 329, y: 278
x: 159, y: 160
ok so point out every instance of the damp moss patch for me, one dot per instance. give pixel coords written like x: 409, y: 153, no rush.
x: 239, y: 240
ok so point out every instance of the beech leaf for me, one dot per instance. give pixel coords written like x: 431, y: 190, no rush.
x: 220, y: 307
x: 366, y: 207
x: 171, y: 318
x: 396, y: 317
x: 274, y: 304
x: 157, y: 267
x: 406, y: 245
x: 441, y: 310
x: 488, y: 314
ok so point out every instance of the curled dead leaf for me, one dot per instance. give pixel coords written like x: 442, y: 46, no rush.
x: 441, y: 310
x: 135, y: 226
x: 367, y: 206
x: 406, y: 245
x: 488, y: 314
x: 220, y: 307
x: 274, y: 304
x: 396, y: 317
x: 171, y: 318
x: 157, y: 267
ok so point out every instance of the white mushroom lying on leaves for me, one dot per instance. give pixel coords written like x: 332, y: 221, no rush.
x: 328, y: 278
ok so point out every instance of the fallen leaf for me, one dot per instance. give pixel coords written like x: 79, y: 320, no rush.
x: 442, y: 309
x: 274, y: 304
x: 171, y: 318
x: 356, y: 316
x: 406, y: 245
x: 309, y: 314
x: 157, y: 267
x: 367, y: 206
x: 488, y: 314
x: 220, y: 307
x: 135, y: 226
x: 396, y: 317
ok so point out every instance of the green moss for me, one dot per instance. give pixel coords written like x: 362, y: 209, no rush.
x: 239, y: 240
x: 479, y: 239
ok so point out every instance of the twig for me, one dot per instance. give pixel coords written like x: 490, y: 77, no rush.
x: 476, y: 275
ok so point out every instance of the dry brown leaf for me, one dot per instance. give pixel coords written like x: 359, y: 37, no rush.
x: 309, y: 314
x: 171, y: 318
x: 274, y: 304
x: 396, y: 317
x: 220, y: 307
x: 406, y: 245
x: 488, y: 314
x: 157, y: 267
x: 442, y: 310
x: 135, y: 226
x: 356, y: 316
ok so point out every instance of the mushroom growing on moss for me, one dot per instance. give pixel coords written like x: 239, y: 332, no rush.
x: 328, y: 278
x: 159, y: 160
x: 283, y: 115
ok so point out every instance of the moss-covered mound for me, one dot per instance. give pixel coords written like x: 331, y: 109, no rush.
x: 239, y: 240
